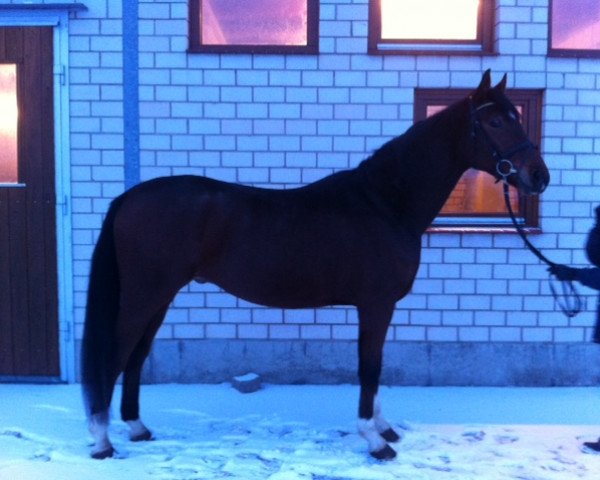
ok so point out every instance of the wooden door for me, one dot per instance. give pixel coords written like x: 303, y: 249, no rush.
x: 28, y: 270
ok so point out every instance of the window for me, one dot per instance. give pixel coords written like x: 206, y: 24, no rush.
x: 8, y: 124
x: 257, y: 26
x: 477, y: 202
x: 431, y: 26
x: 574, y: 28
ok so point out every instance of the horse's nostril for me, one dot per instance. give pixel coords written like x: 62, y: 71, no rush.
x: 539, y: 180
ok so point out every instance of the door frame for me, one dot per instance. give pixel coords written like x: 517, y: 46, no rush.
x: 57, y: 17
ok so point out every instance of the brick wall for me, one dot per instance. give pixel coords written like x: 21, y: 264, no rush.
x: 282, y: 121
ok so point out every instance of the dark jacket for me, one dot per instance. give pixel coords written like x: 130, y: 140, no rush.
x: 590, y: 277
x: 592, y: 247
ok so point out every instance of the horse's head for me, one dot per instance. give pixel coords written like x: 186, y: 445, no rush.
x: 502, y: 147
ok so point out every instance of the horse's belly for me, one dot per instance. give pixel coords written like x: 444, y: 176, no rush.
x: 288, y: 291
x: 294, y: 278
x: 317, y: 262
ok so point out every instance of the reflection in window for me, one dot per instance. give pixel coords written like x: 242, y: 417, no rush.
x: 256, y: 26
x: 575, y: 27
x: 8, y: 124
x: 259, y: 22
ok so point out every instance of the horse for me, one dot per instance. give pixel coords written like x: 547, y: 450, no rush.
x: 352, y: 238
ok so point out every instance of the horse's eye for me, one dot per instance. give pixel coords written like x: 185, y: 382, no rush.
x: 496, y: 122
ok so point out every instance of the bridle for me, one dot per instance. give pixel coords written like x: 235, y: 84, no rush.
x: 569, y: 300
x: 504, y: 166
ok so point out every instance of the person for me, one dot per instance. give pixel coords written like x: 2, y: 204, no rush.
x: 590, y: 277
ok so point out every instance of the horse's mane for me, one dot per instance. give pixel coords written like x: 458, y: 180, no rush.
x: 435, y: 125
x: 410, y: 152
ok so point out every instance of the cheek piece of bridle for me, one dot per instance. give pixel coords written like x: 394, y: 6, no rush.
x: 569, y: 299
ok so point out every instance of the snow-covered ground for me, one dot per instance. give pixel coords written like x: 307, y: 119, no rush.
x: 306, y: 432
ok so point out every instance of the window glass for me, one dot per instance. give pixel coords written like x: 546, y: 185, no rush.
x: 431, y: 26
x: 257, y: 25
x: 259, y: 22
x: 8, y: 124
x: 429, y: 19
x: 575, y: 27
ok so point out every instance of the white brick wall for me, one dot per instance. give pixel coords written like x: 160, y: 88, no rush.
x: 96, y: 95
x: 282, y: 121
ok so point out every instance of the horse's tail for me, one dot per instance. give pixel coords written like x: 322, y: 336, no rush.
x: 98, y: 346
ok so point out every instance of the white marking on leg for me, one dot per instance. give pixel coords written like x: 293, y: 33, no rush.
x: 138, y: 431
x: 380, y: 423
x: 368, y: 430
x: 99, y: 430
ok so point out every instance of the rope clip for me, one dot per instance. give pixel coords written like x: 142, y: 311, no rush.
x: 505, y: 168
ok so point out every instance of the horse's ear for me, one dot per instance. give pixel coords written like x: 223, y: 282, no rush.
x: 502, y: 84
x: 486, y: 81
x: 484, y: 86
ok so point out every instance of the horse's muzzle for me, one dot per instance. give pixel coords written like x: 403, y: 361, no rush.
x: 533, y: 179
x: 540, y: 179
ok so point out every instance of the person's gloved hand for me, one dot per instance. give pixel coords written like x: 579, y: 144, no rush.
x: 563, y: 273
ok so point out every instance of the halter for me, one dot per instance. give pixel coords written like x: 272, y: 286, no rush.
x: 569, y: 299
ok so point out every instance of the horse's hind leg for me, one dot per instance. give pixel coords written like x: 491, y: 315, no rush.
x: 140, y: 316
x: 98, y: 427
x: 130, y: 407
x: 371, y: 425
x: 99, y: 421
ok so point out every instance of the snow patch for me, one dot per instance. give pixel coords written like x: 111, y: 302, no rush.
x: 304, y: 433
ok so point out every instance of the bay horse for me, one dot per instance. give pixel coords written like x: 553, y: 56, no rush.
x: 352, y: 238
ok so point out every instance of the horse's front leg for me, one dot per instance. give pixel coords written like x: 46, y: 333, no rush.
x: 371, y: 424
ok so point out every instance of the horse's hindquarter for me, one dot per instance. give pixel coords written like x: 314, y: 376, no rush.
x: 157, y: 230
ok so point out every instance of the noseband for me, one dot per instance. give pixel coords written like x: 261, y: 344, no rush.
x: 504, y: 165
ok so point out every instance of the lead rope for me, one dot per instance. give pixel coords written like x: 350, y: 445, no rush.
x: 569, y: 300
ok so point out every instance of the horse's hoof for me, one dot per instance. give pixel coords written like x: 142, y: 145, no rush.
x: 142, y: 437
x: 386, y: 453
x: 390, y: 435
x: 103, y: 454
x: 591, y: 447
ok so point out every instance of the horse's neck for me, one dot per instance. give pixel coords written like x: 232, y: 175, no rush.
x: 426, y: 194
x: 415, y: 174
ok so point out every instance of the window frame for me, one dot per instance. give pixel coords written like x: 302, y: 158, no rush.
x: 484, y: 44
x: 528, y: 214
x: 195, y: 44
x: 566, y: 52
